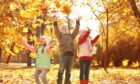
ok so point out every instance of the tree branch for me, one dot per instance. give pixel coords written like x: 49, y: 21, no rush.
x: 135, y: 10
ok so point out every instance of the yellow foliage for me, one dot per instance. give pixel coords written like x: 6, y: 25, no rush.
x: 31, y: 1
x: 111, y: 64
x: 67, y: 8
x: 57, y: 3
x: 7, y: 52
x: 114, y: 1
x: 13, y: 6
x: 135, y: 64
x: 33, y: 55
x: 95, y: 63
x: 7, y: 49
x: 1, y: 23
x: 23, y: 13
x: 25, y: 29
x: 125, y: 62
x: 3, y: 43
x: 16, y: 50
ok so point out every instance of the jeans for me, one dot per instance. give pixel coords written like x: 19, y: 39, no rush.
x: 84, y: 69
x: 65, y: 64
x: 42, y: 75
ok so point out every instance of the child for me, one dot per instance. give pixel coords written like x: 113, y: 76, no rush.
x: 42, y: 59
x: 85, y: 47
x: 66, y: 49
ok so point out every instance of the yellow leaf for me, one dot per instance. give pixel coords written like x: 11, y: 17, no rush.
x: 67, y: 9
x: 23, y: 13
x: 33, y: 55
x: 135, y: 64
x: 1, y: 23
x: 16, y: 50
x: 25, y: 29
x: 57, y: 3
x: 31, y: 1
x: 115, y: 1
x: 125, y: 62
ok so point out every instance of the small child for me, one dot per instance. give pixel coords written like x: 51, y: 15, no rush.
x: 85, y: 47
x: 43, y: 57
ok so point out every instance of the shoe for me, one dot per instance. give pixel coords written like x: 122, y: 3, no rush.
x: 82, y: 82
x: 86, y: 81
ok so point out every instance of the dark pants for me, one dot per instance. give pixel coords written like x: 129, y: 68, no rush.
x: 84, y: 69
x: 65, y: 64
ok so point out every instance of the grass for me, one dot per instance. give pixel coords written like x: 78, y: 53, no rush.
x: 20, y: 74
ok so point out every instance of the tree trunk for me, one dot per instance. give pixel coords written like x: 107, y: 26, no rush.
x: 107, y: 51
x: 135, y: 10
x: 11, y: 49
x: 0, y: 54
x: 29, y: 63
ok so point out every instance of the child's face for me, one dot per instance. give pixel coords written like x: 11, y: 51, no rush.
x: 42, y: 40
x: 65, y: 30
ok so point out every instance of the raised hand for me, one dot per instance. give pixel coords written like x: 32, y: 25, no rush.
x: 78, y: 18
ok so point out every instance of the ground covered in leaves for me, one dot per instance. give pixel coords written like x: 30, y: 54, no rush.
x: 20, y: 74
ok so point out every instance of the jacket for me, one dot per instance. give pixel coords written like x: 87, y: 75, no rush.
x: 85, y: 46
x: 66, y: 41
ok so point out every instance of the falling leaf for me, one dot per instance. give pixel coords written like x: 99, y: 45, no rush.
x: 125, y: 62
x: 31, y: 1
x: 1, y: 23
x: 67, y: 9
x: 57, y: 3
x: 25, y: 29
x: 135, y: 64
x: 114, y: 1
x: 46, y: 8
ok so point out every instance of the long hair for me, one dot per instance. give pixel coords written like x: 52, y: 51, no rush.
x: 43, y: 47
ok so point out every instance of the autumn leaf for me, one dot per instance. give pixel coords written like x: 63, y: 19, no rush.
x: 46, y: 8
x: 53, y: 11
x: 57, y: 3
x: 114, y: 1
x: 67, y: 9
x: 16, y: 50
x: 43, y: 1
x: 31, y: 1
x: 125, y: 62
x: 33, y: 55
x: 1, y: 23
x: 25, y: 29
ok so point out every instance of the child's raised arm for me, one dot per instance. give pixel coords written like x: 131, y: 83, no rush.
x: 31, y: 48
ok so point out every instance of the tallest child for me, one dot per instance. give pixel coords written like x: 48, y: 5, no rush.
x: 66, y: 49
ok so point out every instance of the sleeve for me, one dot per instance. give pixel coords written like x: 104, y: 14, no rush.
x: 31, y: 48
x: 95, y: 39
x: 83, y: 38
x: 76, y: 30
x: 56, y: 30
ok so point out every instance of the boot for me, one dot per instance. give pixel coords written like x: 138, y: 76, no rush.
x: 59, y: 81
x: 86, y: 81
x: 82, y: 82
x: 67, y: 82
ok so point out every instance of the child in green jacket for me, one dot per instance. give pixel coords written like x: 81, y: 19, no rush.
x: 42, y: 59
